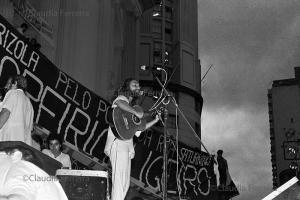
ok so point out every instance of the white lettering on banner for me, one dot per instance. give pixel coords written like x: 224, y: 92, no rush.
x: 193, y: 181
x: 190, y: 180
x: 101, y: 107
x: 34, y: 58
x: 16, y: 49
x: 91, y: 136
x: 5, y: 40
x: 97, y: 140
x: 62, y: 78
x: 72, y: 126
x: 106, y: 115
x: 63, y: 117
x: 180, y: 181
x: 188, y: 177
x: 177, y: 177
x: 50, y: 91
x: 207, y: 178
x: 11, y: 60
x: 23, y: 53
x: 144, y: 166
x: 194, y: 158
x: 12, y: 44
x: 185, y: 153
x: 71, y: 91
x: 2, y: 32
x: 148, y: 139
x: 86, y: 98
x: 36, y: 99
x: 160, y: 144
x: 158, y: 183
x: 70, y: 88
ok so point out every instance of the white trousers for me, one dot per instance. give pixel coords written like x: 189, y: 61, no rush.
x: 121, y: 166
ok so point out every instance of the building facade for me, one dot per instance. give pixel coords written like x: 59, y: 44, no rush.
x: 169, y: 39
x: 284, y: 118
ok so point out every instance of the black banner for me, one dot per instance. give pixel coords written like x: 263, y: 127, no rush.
x: 193, y: 176
x: 64, y: 106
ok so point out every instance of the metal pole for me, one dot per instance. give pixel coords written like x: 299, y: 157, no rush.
x: 165, y: 153
x: 165, y: 156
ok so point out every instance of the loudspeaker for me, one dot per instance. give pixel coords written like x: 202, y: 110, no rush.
x: 84, y: 184
x: 35, y: 156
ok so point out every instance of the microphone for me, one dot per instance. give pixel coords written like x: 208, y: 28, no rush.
x: 144, y: 68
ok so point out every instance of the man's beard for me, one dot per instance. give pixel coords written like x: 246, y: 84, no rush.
x: 136, y: 93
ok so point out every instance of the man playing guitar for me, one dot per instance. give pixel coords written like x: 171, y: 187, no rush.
x: 120, y: 151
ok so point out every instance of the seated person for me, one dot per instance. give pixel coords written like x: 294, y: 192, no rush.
x: 20, y: 177
x: 54, y: 143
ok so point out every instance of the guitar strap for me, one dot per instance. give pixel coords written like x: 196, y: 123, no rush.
x: 114, y: 131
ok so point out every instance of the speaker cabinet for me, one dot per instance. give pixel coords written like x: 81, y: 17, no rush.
x: 84, y: 184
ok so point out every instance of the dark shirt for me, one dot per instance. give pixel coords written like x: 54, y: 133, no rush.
x: 222, y: 167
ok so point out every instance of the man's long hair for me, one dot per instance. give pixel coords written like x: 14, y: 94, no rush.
x: 21, y: 82
x: 124, y: 90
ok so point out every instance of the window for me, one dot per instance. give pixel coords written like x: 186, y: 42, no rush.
x: 156, y: 29
x: 169, y: 13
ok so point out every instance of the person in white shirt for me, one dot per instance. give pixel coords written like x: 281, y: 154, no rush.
x: 16, y: 116
x: 54, y: 143
x: 22, y: 179
x: 119, y: 151
x: 4, y: 90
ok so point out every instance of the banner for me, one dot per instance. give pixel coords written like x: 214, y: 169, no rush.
x: 62, y: 105
x: 192, y: 177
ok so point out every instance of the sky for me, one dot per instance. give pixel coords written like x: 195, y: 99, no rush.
x: 250, y: 43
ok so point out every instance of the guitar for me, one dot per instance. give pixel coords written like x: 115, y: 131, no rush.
x: 124, y: 124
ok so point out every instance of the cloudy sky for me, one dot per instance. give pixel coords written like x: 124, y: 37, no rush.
x: 250, y: 43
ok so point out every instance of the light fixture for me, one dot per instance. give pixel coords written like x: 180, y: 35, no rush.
x: 292, y: 151
x: 155, y: 14
x: 293, y: 165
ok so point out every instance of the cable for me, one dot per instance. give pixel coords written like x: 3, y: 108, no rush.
x: 176, y: 146
x: 194, y: 132
x: 159, y: 100
x: 175, y: 103
x: 177, y: 154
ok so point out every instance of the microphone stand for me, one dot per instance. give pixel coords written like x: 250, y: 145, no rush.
x: 165, y: 149
x: 165, y: 156
x: 165, y: 145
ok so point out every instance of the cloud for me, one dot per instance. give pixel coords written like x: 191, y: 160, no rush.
x: 250, y: 43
